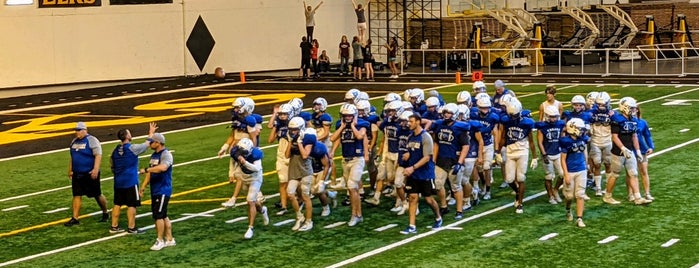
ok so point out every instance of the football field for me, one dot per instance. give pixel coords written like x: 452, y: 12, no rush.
x: 35, y: 202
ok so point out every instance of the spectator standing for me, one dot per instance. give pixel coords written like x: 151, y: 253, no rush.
x: 357, y: 57
x: 392, y: 52
x: 368, y: 60
x: 314, y: 57
x: 344, y: 54
x: 305, y: 57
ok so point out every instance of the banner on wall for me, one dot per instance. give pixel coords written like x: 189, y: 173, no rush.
x: 69, y: 3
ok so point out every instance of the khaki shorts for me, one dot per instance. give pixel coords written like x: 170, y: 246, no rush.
x: 576, y: 188
x: 630, y: 164
x: 304, y: 183
x: 352, y: 170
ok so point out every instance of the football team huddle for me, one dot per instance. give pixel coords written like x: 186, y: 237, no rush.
x: 431, y: 148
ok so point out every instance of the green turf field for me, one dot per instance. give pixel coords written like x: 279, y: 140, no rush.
x: 207, y: 240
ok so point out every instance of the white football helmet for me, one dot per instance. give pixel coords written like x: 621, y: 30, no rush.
x: 405, y: 115
x: 406, y: 94
x: 484, y: 102
x: 575, y: 127
x: 627, y: 106
x: 505, y: 99
x: 407, y: 106
x: 552, y: 112
x: 391, y: 97
x: 296, y: 105
x: 351, y: 94
x: 464, y: 112
x: 578, y: 99
x: 363, y: 105
x: 418, y: 94
x: 514, y: 108
x: 308, y: 131
x: 361, y: 96
x: 603, y: 99
x: 320, y: 104
x: 244, y: 105
x: 285, y: 109
x: 297, y: 123
x: 464, y: 97
x: 396, y: 106
x: 591, y: 98
x: 479, y: 87
x: 433, y: 93
x: 348, y: 109
x: 451, y: 108
x: 245, y: 144
x: 432, y: 101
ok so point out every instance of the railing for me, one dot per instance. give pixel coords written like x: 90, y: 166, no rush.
x: 593, y: 62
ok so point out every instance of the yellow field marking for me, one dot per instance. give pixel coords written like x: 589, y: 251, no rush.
x: 146, y: 202
x: 210, y: 200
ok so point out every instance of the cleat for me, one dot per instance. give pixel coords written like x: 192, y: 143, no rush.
x: 388, y: 190
x: 265, y: 216
x: 466, y: 207
x: 610, y: 200
x: 459, y: 215
x: 372, y: 201
x: 307, y: 226
x: 115, y: 230
x: 71, y: 222
x: 278, y: 205
x: 598, y: 192
x: 281, y: 212
x: 171, y: 243
x: 580, y: 223
x: 631, y: 197
x: 486, y: 196
x: 326, y: 211
x: 641, y: 201
x: 504, y: 185
x: 355, y: 220
x: 299, y: 221
x: 557, y: 197
x: 402, y: 211
x: 105, y: 217
x: 649, y: 197
x: 230, y: 203
x: 437, y: 224
x: 346, y: 202
x: 475, y: 202
x: 409, y: 230
x: 451, y: 201
x: 519, y: 209
x: 552, y: 201
x: 569, y: 216
x: 135, y: 231
x: 397, y: 208
x: 248, y: 234
x: 585, y: 197
x: 158, y: 245
x: 444, y: 211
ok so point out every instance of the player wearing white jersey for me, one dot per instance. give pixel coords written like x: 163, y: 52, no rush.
x: 601, y: 137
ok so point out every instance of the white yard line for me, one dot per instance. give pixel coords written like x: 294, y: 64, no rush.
x: 284, y: 222
x: 608, y: 239
x: 384, y: 228
x: 670, y: 242
x: 237, y: 219
x: 492, y: 233
x: 55, y: 210
x: 339, y: 223
x: 482, y: 214
x: 548, y: 236
x: 14, y: 208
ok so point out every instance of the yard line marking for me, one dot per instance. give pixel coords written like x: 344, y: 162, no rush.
x: 651, y: 85
x: 339, y: 223
x: 428, y: 233
x: 144, y: 214
x: 236, y: 219
x: 684, y: 130
x: 55, y: 210
x: 625, y: 86
x: 696, y: 266
x: 548, y: 236
x: 492, y: 233
x: 670, y: 242
x: 384, y: 228
x: 100, y: 239
x: 284, y: 222
x: 678, y: 86
x: 601, y: 85
x: 197, y: 215
x: 453, y: 228
x: 13, y: 208
x: 607, y: 240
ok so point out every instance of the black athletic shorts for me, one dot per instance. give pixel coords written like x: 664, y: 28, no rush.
x: 127, y: 197
x: 424, y: 187
x: 159, y: 206
x: 358, y: 63
x: 83, y: 184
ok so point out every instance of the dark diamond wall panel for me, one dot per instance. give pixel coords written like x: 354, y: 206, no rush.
x: 200, y: 43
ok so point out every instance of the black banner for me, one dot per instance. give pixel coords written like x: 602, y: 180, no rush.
x: 69, y: 3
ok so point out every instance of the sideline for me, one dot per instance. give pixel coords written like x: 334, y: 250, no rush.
x: 474, y: 217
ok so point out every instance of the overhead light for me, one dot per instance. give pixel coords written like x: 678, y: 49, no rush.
x: 18, y: 2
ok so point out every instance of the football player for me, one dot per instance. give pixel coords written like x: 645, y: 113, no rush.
x: 322, y: 162
x: 474, y: 157
x: 243, y: 125
x: 624, y: 149
x: 645, y: 142
x: 548, y: 135
x: 247, y: 169
x: 489, y: 121
x: 601, y: 138
x: 573, y: 158
x: 403, y: 134
x: 300, y: 172
x: 372, y: 135
x: 350, y: 133
x: 279, y: 124
x: 451, y: 144
x: 518, y: 143
x: 321, y: 121
x: 389, y: 146
x: 417, y: 99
